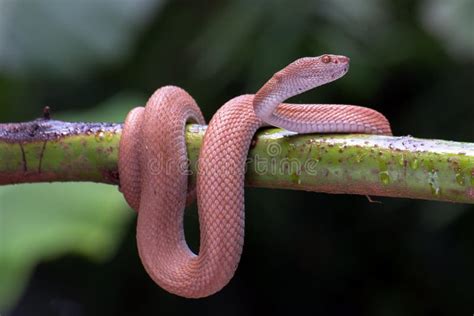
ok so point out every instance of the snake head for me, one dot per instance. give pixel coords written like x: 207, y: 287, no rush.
x: 301, y: 75
x: 310, y: 72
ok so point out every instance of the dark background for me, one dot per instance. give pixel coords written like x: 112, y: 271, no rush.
x: 304, y: 253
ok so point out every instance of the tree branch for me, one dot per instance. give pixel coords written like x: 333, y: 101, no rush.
x: 48, y: 150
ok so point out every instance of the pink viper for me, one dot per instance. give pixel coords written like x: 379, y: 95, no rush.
x: 154, y: 177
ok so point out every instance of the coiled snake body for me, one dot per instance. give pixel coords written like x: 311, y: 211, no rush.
x: 153, y: 161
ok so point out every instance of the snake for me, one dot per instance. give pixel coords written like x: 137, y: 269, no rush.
x: 153, y: 168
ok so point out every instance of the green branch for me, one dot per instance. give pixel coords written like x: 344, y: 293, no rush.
x: 49, y: 150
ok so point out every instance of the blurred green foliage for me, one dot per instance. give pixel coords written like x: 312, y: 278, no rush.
x: 53, y: 220
x: 337, y: 255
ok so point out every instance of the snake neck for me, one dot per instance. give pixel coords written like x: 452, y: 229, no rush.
x: 270, y: 95
x: 276, y: 90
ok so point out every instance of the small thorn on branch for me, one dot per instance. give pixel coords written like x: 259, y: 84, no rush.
x: 47, y: 113
x: 369, y: 198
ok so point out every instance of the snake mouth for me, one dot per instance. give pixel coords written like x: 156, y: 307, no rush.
x: 338, y: 74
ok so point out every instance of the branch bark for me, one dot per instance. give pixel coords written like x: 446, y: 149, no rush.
x: 47, y: 150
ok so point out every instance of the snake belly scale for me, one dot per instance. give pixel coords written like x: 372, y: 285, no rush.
x: 154, y: 178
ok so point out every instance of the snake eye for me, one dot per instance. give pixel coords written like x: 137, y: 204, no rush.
x: 326, y: 59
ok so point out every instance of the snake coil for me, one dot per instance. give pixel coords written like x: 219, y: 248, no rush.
x: 152, y: 178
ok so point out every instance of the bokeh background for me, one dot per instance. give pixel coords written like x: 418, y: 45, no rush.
x: 69, y: 249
